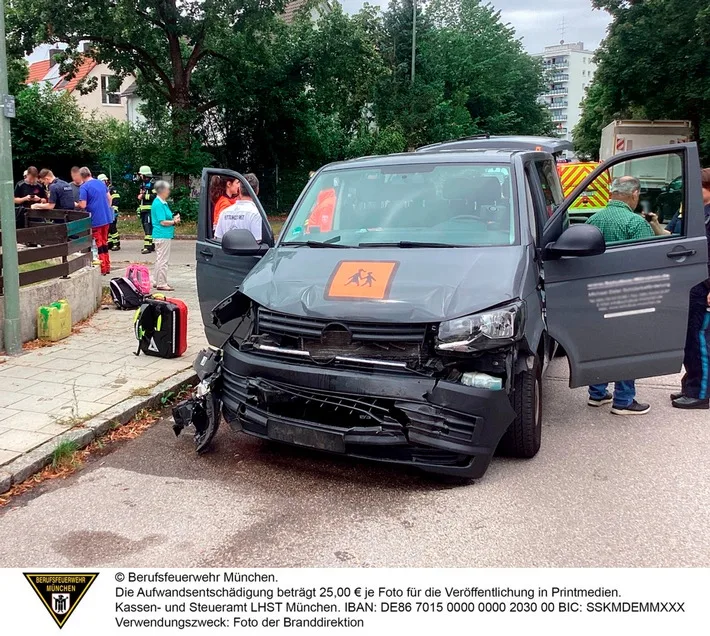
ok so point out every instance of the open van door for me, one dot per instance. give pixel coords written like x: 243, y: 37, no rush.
x: 620, y: 310
x: 219, y: 274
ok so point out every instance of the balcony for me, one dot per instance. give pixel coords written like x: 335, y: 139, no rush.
x: 555, y: 91
x: 559, y: 118
x: 557, y: 66
x: 557, y: 105
x: 559, y: 77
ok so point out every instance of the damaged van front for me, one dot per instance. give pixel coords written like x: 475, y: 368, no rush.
x: 391, y: 324
x: 411, y: 305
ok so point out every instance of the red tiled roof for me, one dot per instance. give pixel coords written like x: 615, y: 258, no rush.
x: 37, y: 71
x: 84, y: 69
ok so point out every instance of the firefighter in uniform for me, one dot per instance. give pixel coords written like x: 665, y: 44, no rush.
x: 145, y: 201
x: 114, y: 238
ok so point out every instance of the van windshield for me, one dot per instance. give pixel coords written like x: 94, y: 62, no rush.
x: 409, y: 205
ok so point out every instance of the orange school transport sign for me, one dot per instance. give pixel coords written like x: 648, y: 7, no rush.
x: 355, y: 280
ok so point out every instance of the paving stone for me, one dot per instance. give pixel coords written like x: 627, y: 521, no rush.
x: 78, y: 410
x: 22, y: 441
x: 105, y: 357
x: 7, y: 398
x: 87, y: 381
x: 95, y: 368
x: 7, y: 413
x: 61, y: 364
x: 94, y: 371
x: 115, y: 397
x: 11, y: 370
x: 43, y: 405
x: 44, y: 389
x: 15, y: 384
x: 27, y: 421
x: 7, y: 456
x: 55, y: 429
x: 58, y: 377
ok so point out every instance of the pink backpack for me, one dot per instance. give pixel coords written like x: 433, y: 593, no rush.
x: 139, y: 275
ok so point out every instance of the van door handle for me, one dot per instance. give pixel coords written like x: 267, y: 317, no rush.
x: 681, y: 253
x: 207, y: 253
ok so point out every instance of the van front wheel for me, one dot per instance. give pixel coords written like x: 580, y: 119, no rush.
x: 522, y: 439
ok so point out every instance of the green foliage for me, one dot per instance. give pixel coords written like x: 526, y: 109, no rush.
x: 653, y: 65
x: 230, y: 84
x: 63, y: 453
x: 49, y: 129
x: 183, y: 204
x: 176, y: 49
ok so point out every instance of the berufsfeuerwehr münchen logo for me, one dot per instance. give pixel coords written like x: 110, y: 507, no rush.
x: 60, y: 592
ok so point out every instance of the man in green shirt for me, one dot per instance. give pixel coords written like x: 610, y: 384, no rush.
x: 618, y: 222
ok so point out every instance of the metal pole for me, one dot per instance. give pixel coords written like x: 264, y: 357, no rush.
x: 10, y: 268
x: 414, y: 39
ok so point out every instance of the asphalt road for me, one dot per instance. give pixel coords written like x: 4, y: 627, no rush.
x: 603, y: 491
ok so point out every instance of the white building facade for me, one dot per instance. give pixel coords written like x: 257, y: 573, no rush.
x: 569, y: 70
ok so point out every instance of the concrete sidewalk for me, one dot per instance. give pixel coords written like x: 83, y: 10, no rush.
x: 47, y: 392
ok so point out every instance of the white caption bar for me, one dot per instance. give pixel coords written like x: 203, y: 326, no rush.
x: 359, y: 601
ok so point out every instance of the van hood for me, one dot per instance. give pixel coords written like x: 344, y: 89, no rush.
x: 404, y: 285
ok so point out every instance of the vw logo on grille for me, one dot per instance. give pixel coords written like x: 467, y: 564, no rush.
x: 336, y: 334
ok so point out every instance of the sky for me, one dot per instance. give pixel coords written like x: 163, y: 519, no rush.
x: 538, y: 22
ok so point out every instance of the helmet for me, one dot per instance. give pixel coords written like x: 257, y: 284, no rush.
x: 145, y: 171
x: 102, y: 177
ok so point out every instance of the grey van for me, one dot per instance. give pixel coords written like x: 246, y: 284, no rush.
x: 410, y: 307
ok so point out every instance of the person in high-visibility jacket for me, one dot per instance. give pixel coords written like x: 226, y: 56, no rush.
x: 145, y: 201
x: 114, y: 238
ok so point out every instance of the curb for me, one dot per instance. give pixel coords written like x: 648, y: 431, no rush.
x: 35, y: 460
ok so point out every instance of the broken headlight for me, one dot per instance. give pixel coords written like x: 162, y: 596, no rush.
x: 487, y: 330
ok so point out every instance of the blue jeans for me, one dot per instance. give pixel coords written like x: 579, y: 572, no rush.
x: 624, y: 392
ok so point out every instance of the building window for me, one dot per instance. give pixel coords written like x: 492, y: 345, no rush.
x: 109, y: 96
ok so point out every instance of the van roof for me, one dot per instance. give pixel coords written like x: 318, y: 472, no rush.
x: 552, y: 145
x: 493, y: 155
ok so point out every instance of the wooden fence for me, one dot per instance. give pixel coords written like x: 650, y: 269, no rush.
x: 57, y: 234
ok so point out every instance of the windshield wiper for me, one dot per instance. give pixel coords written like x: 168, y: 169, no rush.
x: 410, y: 244
x: 331, y: 242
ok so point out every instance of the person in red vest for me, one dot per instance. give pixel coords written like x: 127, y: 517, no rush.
x: 324, y: 209
x: 223, y: 193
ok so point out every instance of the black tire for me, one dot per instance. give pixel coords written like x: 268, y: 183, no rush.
x: 522, y: 439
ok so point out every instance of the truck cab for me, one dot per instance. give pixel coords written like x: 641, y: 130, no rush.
x: 409, y: 309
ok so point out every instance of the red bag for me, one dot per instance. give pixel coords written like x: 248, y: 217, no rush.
x: 181, y: 343
x: 160, y: 326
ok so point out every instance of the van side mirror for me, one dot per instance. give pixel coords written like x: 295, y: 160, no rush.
x: 242, y: 243
x: 577, y: 240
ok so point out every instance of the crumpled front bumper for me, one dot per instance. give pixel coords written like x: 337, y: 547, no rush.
x: 440, y: 427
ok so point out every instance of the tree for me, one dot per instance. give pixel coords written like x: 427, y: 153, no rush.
x: 177, y: 49
x: 49, y: 130
x: 653, y: 64
x: 472, y: 74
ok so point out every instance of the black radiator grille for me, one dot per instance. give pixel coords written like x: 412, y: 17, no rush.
x: 270, y: 322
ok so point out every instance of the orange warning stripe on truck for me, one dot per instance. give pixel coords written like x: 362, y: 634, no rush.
x: 597, y: 194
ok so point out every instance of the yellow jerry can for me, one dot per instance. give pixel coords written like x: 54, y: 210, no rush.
x: 54, y: 321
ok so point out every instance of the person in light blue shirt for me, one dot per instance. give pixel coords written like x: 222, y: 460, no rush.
x: 164, y: 222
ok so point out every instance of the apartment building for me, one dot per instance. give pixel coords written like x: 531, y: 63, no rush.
x: 569, y: 70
